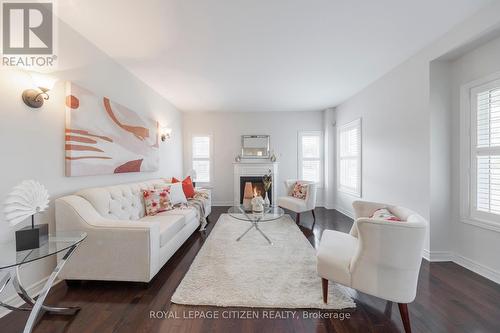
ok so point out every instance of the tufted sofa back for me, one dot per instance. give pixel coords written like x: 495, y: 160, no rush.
x: 123, y: 202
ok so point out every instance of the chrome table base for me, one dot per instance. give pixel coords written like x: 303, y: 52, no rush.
x: 255, y: 225
x: 36, y: 307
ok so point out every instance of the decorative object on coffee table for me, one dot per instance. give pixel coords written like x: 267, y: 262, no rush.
x: 267, y: 180
x: 248, y: 196
x: 257, y: 204
x: 27, y: 199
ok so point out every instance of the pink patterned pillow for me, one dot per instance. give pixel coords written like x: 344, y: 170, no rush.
x: 300, y: 191
x: 385, y: 214
x: 156, y: 201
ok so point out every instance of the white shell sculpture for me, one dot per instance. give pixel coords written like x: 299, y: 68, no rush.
x: 26, y: 199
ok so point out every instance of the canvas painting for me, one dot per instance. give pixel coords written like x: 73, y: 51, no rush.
x: 103, y: 137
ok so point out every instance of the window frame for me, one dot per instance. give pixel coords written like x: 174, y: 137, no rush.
x: 321, y: 158
x: 469, y: 152
x: 209, y: 159
x: 357, y: 192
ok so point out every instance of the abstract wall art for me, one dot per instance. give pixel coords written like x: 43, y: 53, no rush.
x: 103, y: 137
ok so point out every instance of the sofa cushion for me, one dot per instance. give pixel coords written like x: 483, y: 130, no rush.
x: 385, y: 214
x: 187, y: 186
x: 123, y: 202
x: 188, y: 213
x: 300, y: 190
x: 335, y: 252
x: 170, y: 225
x: 176, y: 193
x: 156, y: 201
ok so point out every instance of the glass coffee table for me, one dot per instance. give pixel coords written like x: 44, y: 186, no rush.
x: 269, y: 214
x: 62, y: 243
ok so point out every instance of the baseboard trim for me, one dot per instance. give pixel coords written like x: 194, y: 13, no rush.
x: 426, y: 255
x: 471, y: 265
x: 222, y: 203
x: 33, y: 290
x: 439, y: 256
x: 477, y: 268
x: 345, y: 212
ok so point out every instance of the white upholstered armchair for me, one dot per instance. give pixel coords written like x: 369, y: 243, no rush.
x: 299, y: 205
x: 378, y: 257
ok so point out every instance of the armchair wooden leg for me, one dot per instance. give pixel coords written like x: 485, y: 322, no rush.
x: 405, y: 316
x: 298, y: 218
x: 314, y: 220
x: 324, y: 286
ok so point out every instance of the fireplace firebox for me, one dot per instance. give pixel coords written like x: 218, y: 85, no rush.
x: 257, y: 186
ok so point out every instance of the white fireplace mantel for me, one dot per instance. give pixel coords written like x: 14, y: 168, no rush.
x: 255, y: 169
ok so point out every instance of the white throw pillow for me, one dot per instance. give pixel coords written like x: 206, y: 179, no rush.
x: 176, y: 194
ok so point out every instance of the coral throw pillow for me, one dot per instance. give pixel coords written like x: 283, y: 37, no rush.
x: 156, y: 201
x: 187, y: 186
x: 385, y: 214
x: 300, y: 191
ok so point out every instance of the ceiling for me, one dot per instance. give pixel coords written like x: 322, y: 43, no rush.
x: 262, y: 55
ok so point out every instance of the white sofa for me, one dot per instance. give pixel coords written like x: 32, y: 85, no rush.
x: 122, y: 243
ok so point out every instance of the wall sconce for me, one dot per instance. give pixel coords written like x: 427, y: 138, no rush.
x: 35, y: 97
x: 165, y: 133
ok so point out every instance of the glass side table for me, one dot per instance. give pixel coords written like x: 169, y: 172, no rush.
x: 11, y: 261
x: 269, y: 214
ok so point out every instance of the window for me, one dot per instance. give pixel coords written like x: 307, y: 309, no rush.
x: 349, y: 158
x: 311, y: 156
x: 485, y: 151
x: 201, y: 158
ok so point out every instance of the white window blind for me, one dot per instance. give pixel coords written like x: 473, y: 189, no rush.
x: 349, y: 157
x: 311, y: 156
x: 201, y: 151
x: 485, y: 152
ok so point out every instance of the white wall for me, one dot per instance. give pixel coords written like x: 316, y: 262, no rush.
x: 472, y: 243
x: 395, y: 138
x: 33, y: 140
x: 330, y: 138
x: 440, y: 159
x: 226, y: 129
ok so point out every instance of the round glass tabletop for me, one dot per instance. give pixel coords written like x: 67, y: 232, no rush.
x: 270, y: 213
x: 56, y: 243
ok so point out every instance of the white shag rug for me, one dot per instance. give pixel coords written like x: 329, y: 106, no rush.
x: 253, y: 273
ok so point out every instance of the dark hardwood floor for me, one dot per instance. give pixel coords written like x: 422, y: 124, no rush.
x: 449, y: 299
